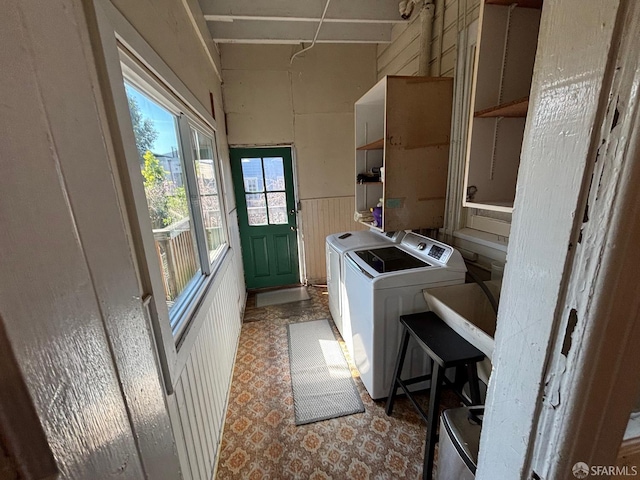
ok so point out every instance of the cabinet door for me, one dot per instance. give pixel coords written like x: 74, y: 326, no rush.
x: 416, y: 152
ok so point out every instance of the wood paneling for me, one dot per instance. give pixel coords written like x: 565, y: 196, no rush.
x: 199, y: 404
x: 400, y: 57
x: 319, y: 218
x: 404, y: 48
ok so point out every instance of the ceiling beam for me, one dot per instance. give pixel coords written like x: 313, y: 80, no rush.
x: 352, y: 11
x: 246, y: 31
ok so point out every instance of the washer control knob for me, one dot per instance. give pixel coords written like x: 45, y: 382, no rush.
x: 422, y: 246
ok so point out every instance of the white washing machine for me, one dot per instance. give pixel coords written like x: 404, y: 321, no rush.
x: 382, y: 283
x: 336, y: 246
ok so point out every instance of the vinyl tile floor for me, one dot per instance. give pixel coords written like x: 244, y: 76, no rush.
x: 260, y: 438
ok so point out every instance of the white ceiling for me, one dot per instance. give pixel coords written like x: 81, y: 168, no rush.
x: 296, y: 21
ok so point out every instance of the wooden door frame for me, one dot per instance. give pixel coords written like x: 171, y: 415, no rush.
x: 565, y: 372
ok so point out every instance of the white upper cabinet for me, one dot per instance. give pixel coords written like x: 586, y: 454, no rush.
x: 505, y: 55
x: 403, y: 126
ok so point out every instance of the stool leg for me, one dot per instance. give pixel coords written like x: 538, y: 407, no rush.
x: 460, y: 378
x: 432, y: 425
x: 396, y: 372
x: 474, y: 386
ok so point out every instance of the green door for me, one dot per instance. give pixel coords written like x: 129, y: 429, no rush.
x: 263, y: 183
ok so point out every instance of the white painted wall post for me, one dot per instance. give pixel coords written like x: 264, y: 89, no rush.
x: 563, y: 385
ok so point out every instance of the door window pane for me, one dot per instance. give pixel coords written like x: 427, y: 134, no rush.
x: 277, y: 203
x: 274, y: 174
x: 258, y: 175
x: 162, y: 169
x: 204, y: 158
x: 256, y: 209
x: 252, y: 175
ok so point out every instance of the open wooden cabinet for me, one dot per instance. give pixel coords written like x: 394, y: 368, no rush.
x: 505, y: 55
x: 403, y: 127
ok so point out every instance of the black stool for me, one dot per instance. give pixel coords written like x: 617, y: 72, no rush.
x: 445, y: 349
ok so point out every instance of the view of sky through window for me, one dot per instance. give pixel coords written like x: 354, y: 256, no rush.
x: 163, y: 122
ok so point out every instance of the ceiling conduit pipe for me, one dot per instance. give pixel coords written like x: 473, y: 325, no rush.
x: 441, y: 36
x: 315, y: 37
x: 426, y: 32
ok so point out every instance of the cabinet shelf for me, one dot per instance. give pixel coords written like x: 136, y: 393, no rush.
x: 377, y: 145
x: 506, y: 206
x: 521, y: 3
x: 369, y: 183
x: 515, y: 109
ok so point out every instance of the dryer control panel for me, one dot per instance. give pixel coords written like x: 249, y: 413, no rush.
x: 427, y: 248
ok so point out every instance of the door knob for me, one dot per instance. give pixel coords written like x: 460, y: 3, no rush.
x: 292, y: 228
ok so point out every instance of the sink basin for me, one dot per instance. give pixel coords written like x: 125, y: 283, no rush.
x: 466, y: 309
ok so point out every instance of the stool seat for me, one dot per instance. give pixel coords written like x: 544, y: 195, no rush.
x: 446, y: 349
x: 439, y: 340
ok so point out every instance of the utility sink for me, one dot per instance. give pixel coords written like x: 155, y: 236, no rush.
x: 467, y: 310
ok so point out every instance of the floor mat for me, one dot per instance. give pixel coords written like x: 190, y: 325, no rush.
x: 277, y: 297
x: 320, y: 376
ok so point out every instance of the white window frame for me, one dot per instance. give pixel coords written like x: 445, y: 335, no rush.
x: 219, y: 185
x: 135, y: 75
x: 145, y: 70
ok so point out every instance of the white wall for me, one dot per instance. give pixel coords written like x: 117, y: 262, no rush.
x: 201, y: 376
x: 308, y: 104
x: 69, y: 298
x: 70, y: 294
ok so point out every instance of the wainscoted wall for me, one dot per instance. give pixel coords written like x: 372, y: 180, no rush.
x: 234, y: 242
x: 198, y: 406
x: 319, y: 218
x: 205, y: 359
x: 400, y: 57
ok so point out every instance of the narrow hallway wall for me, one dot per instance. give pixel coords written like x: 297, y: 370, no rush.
x: 69, y: 298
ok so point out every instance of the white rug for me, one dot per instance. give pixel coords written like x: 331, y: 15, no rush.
x: 277, y: 297
x: 320, y: 376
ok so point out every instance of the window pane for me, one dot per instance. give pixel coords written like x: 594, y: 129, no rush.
x: 252, y: 175
x: 274, y: 173
x: 256, y: 209
x: 208, y: 190
x: 277, y: 203
x: 155, y: 130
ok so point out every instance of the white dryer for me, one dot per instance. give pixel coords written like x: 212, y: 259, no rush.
x: 382, y: 283
x: 336, y: 246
